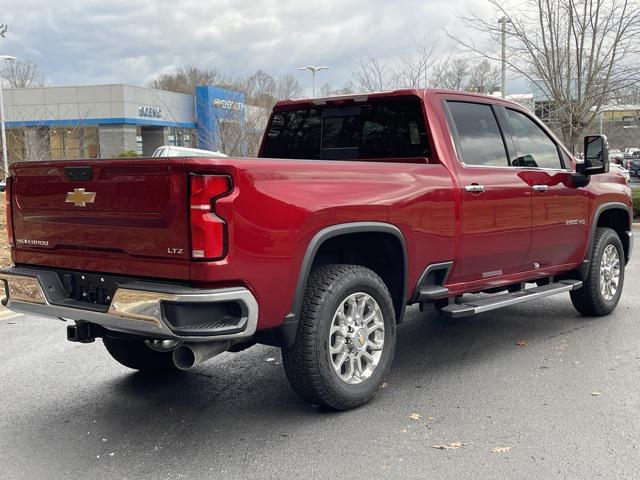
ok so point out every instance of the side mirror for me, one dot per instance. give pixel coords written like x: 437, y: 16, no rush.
x: 596, y: 155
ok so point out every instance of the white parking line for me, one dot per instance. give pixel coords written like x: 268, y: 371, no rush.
x: 6, y: 314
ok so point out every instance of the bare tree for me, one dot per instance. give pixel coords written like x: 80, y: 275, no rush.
x: 19, y: 74
x: 186, y: 79
x: 629, y: 95
x: 451, y: 72
x: 425, y: 67
x: 374, y: 76
x: 287, y: 87
x: 260, y: 89
x: 484, y: 77
x: 578, y: 53
x: 234, y: 131
x: 327, y: 90
x: 412, y: 70
x: 3, y: 29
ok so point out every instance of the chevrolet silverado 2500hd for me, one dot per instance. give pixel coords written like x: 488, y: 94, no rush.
x: 356, y: 207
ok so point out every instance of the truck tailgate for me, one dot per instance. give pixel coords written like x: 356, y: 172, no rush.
x: 127, y: 211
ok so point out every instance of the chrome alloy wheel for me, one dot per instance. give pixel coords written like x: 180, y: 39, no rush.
x: 356, y: 338
x: 609, y: 272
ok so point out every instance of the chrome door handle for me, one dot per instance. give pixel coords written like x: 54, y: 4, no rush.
x: 541, y: 188
x: 475, y: 188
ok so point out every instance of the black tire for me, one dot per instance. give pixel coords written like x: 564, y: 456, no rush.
x: 137, y: 355
x: 307, y: 362
x: 589, y: 299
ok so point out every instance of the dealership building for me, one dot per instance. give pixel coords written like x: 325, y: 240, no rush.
x: 104, y: 121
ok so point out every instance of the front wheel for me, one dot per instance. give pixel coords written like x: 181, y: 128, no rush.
x: 601, y: 290
x: 346, y: 338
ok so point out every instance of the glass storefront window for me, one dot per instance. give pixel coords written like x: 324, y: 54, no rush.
x: 74, y: 142
x: 15, y: 145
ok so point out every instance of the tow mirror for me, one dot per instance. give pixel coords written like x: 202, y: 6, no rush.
x: 596, y: 155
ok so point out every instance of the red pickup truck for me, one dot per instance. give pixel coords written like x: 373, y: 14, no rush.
x: 356, y: 207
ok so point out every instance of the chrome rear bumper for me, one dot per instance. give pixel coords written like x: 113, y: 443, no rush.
x: 136, y: 307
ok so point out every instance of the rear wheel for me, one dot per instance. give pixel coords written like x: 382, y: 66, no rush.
x: 601, y: 290
x: 346, y: 338
x: 137, y: 354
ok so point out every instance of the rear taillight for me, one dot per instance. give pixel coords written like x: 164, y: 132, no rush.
x: 208, y: 230
x: 7, y: 193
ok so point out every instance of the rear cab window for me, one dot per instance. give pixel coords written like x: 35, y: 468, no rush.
x: 376, y: 129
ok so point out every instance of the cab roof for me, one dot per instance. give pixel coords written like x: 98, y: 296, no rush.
x: 363, y: 97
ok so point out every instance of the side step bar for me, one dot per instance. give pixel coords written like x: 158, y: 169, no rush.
x: 504, y: 300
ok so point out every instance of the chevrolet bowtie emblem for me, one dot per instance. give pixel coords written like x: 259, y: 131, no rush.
x: 79, y: 197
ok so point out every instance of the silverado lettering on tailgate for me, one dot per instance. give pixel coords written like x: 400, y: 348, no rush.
x: 29, y: 241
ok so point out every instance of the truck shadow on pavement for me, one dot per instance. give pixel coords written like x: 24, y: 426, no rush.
x: 428, y: 346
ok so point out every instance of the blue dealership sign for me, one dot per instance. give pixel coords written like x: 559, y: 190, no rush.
x: 215, y: 107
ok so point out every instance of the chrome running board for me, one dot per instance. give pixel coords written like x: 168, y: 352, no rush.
x: 471, y: 307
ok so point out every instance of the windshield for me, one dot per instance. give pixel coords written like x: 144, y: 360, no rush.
x: 385, y: 128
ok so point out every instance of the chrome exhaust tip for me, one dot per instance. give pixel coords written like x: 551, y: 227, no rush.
x: 188, y: 355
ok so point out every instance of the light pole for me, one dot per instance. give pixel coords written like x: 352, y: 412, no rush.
x: 313, y: 69
x: 503, y: 79
x: 5, y: 161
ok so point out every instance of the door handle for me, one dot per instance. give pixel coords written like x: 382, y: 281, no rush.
x: 541, y: 188
x: 474, y: 188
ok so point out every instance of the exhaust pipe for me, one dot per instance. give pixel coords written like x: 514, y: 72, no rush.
x: 188, y: 355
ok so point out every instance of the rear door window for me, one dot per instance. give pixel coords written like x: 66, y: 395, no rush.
x: 385, y: 128
x: 477, y: 134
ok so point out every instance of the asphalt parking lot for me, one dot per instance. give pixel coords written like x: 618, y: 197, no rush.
x: 532, y: 391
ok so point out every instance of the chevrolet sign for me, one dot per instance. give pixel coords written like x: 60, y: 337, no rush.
x: 227, y: 104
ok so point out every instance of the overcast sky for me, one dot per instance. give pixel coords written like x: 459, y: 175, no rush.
x: 131, y: 41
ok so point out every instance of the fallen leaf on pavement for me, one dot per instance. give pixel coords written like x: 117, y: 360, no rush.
x: 415, y: 416
x: 451, y: 446
x: 501, y: 450
x: 384, y: 385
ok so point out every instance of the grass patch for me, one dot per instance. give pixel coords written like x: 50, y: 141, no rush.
x: 636, y: 203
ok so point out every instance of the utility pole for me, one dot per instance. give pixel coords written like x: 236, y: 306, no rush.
x: 601, y: 114
x: 314, y: 69
x: 503, y: 82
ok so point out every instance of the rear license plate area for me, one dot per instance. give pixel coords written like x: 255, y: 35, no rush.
x: 90, y: 288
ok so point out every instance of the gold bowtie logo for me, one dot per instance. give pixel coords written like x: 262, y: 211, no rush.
x: 79, y: 197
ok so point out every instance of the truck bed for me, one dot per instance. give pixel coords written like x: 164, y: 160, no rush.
x: 276, y: 206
